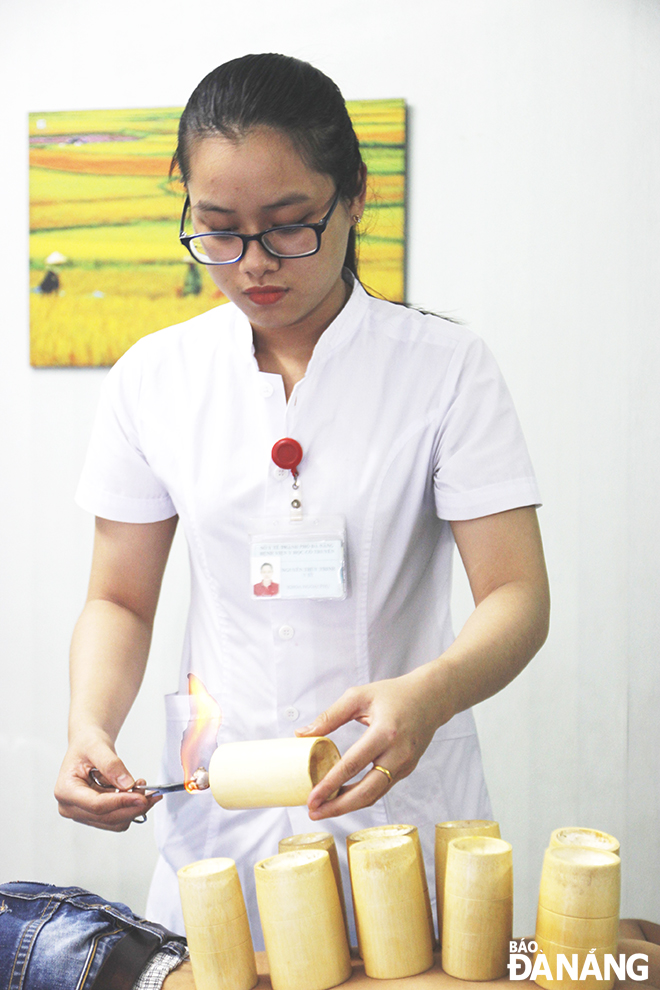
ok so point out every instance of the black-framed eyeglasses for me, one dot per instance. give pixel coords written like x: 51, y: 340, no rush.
x: 293, y: 240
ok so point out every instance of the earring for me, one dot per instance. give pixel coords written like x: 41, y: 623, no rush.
x: 356, y: 218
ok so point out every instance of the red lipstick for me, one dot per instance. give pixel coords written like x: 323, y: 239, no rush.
x: 265, y: 295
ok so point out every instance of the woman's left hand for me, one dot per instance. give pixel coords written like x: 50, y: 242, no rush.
x: 402, y: 715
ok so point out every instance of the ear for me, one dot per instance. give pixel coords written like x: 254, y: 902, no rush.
x: 357, y: 203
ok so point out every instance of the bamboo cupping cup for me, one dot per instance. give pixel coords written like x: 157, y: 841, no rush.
x: 478, y: 908
x: 591, y: 838
x: 387, y: 832
x: 578, y: 913
x: 444, y: 833
x: 217, y: 926
x: 390, y: 909
x: 319, y: 840
x: 270, y: 773
x: 302, y: 921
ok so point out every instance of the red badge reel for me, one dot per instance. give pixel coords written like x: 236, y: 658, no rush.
x: 287, y: 454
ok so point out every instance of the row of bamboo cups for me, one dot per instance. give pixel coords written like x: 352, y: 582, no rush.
x: 578, y: 910
x: 303, y: 913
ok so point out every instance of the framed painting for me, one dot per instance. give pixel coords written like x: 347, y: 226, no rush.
x: 106, y: 265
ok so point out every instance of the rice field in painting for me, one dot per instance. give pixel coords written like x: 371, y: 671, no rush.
x: 106, y: 266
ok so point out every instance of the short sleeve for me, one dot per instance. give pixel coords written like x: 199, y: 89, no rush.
x: 117, y: 482
x: 482, y: 465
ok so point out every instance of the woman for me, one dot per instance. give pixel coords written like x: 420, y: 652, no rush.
x: 409, y: 443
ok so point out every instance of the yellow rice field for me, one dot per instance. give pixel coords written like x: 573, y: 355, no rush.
x: 76, y: 328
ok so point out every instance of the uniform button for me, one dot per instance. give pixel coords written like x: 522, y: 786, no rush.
x: 266, y: 390
x: 280, y: 472
x: 292, y: 714
x: 285, y: 632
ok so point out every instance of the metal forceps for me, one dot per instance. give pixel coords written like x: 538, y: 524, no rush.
x: 97, y: 779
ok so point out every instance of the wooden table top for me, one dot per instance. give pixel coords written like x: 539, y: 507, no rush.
x: 434, y: 979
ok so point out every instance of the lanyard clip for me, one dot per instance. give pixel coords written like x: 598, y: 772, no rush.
x: 287, y: 454
x: 296, y: 513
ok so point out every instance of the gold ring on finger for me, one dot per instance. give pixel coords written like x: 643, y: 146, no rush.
x: 383, y: 770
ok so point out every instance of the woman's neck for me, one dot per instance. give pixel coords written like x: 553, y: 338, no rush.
x: 286, y: 357
x: 287, y: 351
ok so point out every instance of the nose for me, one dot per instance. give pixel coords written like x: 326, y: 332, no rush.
x: 256, y: 260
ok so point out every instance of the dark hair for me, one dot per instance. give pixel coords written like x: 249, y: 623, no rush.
x: 288, y: 95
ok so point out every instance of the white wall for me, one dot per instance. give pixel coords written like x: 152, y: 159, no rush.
x: 534, y: 216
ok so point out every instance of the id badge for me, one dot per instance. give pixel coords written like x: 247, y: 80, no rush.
x: 301, y: 558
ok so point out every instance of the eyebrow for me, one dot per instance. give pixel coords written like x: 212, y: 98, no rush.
x: 208, y: 207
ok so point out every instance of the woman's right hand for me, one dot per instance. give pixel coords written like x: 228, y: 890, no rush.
x: 80, y: 800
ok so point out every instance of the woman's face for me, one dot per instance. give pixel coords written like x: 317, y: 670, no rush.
x: 260, y: 181
x: 266, y: 574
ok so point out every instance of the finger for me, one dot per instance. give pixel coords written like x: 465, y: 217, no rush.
x: 123, y: 816
x: 114, y: 823
x: 373, y: 786
x: 112, y: 769
x: 360, y: 755
x: 113, y: 812
x: 351, y: 705
x: 120, y: 820
x: 81, y: 799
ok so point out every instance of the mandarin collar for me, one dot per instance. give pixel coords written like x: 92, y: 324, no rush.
x: 338, y: 333
x: 347, y: 321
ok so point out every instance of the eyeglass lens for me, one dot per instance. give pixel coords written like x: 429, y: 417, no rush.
x: 285, y: 242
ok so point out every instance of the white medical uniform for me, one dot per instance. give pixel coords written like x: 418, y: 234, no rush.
x: 405, y: 423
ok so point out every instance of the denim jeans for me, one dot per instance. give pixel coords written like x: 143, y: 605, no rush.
x: 64, y: 938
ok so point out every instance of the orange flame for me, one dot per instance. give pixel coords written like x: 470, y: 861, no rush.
x: 200, y: 737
